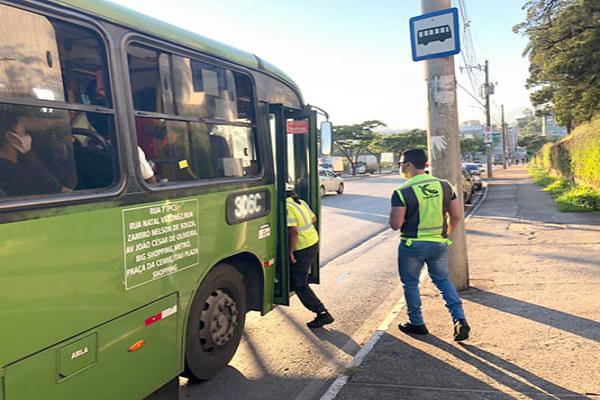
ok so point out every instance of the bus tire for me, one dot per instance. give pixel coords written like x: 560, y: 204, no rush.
x: 215, y: 323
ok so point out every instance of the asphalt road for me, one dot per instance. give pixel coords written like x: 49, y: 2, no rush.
x: 360, y: 213
x: 279, y: 357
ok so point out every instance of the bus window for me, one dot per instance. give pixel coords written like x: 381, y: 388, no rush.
x: 53, y: 150
x: 187, y: 149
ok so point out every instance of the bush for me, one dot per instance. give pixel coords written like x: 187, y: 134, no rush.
x: 540, y: 177
x: 568, y: 197
x: 558, y: 186
x: 579, y: 199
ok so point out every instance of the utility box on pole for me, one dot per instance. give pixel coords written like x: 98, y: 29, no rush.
x: 435, y: 38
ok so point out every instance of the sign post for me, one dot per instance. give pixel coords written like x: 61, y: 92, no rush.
x: 435, y: 38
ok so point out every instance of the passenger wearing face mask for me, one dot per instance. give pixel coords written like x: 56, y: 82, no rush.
x: 21, y: 172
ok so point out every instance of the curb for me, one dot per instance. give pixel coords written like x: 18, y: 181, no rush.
x: 342, y: 379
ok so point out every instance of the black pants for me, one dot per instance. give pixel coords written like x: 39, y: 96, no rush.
x: 299, y: 279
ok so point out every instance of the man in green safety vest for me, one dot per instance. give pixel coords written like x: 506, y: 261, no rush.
x: 303, y: 251
x: 420, y: 209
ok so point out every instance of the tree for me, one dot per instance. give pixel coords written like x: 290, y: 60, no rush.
x: 352, y: 140
x: 534, y: 142
x: 530, y: 124
x: 564, y: 55
x: 472, y: 146
x: 397, y: 143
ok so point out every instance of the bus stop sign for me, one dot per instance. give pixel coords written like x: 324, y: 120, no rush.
x: 435, y: 35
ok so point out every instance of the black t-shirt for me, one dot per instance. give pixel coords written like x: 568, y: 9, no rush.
x: 26, y: 177
x: 396, y: 202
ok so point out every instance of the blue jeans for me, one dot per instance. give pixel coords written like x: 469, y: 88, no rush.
x: 410, y: 262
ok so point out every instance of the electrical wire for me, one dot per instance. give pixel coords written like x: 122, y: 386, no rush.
x: 471, y: 94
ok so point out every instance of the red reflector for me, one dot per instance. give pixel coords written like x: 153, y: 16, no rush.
x: 153, y: 319
x: 136, y: 346
x: 266, y: 264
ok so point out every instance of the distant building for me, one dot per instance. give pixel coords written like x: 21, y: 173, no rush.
x: 471, y: 129
x: 549, y: 127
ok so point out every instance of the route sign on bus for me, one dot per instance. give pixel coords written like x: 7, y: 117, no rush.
x: 435, y: 34
x: 297, y: 127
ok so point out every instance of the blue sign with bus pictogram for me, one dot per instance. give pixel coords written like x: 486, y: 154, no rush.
x: 435, y: 34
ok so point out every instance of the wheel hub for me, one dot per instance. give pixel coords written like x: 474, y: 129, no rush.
x: 218, y: 321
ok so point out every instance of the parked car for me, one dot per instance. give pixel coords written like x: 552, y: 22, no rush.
x: 330, y: 182
x: 360, y: 167
x: 326, y: 166
x: 468, y: 187
x: 475, y: 170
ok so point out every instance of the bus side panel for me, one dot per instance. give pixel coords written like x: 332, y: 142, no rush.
x: 64, y: 275
x: 102, y: 364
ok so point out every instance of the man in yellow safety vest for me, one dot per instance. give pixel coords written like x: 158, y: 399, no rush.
x: 420, y: 209
x: 303, y: 250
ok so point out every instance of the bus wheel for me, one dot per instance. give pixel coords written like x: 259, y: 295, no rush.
x: 216, y: 323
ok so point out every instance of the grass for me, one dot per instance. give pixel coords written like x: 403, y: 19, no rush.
x: 568, y: 197
x: 578, y: 199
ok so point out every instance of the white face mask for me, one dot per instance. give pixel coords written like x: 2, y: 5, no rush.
x: 21, y: 143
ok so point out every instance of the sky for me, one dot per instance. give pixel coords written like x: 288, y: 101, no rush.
x: 353, y: 58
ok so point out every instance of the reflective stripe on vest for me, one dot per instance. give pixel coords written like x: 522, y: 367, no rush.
x: 307, y: 222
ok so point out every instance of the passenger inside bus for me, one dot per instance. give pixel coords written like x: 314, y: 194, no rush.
x: 22, y: 173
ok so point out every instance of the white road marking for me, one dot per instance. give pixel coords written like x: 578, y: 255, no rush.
x: 342, y: 277
x: 474, y: 210
x: 341, y: 380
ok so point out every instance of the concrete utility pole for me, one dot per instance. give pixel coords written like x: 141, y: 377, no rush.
x: 444, y: 142
x: 488, y: 122
x: 503, y: 140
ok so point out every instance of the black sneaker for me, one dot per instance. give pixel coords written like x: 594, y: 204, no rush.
x: 320, y: 320
x: 414, y: 329
x: 461, y: 330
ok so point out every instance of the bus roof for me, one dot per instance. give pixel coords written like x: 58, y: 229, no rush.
x: 124, y: 16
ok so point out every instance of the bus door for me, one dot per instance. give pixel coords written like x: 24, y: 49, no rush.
x: 294, y: 139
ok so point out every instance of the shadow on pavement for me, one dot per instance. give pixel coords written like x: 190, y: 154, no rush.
x: 232, y: 384
x: 496, y: 368
x: 314, y: 343
x: 338, y: 339
x: 533, y: 380
x: 574, y: 260
x: 557, y: 319
x: 481, y: 233
x: 398, y: 370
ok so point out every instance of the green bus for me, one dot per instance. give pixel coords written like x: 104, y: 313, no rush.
x: 142, y: 199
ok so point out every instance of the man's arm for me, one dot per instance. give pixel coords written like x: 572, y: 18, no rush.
x: 293, y: 241
x: 397, y: 215
x: 454, y: 213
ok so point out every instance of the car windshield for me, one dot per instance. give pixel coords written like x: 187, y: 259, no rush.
x: 472, y: 167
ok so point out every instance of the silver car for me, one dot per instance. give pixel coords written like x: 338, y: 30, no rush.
x: 330, y: 182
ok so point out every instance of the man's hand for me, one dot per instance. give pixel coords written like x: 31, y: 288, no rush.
x: 397, y: 215
x: 292, y: 257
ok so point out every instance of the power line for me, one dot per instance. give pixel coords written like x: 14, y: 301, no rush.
x: 468, y: 53
x: 471, y: 94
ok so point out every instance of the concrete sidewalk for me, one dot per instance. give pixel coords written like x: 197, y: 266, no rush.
x: 534, y: 309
